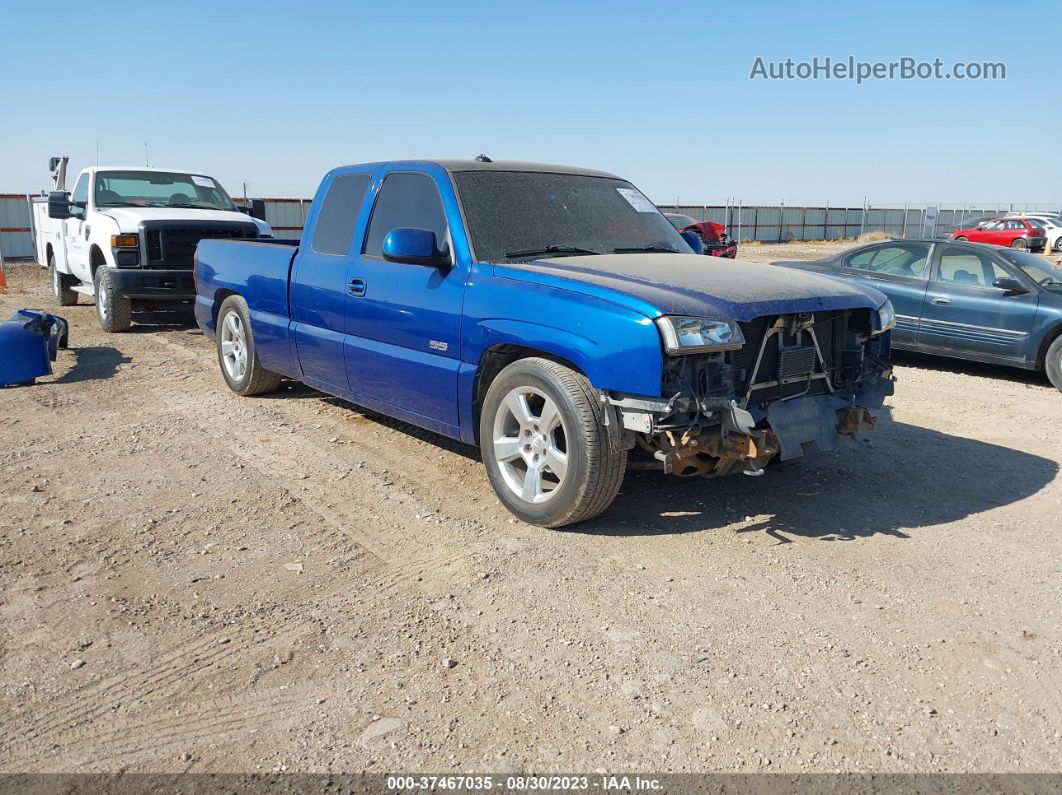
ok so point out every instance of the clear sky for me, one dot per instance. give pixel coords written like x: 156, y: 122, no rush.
x: 275, y: 93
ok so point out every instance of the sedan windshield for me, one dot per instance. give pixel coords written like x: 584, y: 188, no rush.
x: 160, y: 189
x: 516, y: 215
x: 1036, y: 268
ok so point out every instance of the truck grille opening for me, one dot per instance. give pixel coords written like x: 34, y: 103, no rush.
x: 172, y: 246
x: 789, y: 363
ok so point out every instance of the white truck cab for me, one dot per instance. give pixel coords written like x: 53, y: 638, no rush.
x: 126, y: 235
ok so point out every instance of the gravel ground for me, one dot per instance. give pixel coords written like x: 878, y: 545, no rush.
x: 190, y: 580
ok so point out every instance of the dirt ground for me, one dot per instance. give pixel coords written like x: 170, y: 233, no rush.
x: 190, y: 580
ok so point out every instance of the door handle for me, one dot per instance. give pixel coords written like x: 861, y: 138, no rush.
x: 356, y: 287
x: 939, y: 299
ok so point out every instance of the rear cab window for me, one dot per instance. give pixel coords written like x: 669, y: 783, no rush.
x: 334, y: 230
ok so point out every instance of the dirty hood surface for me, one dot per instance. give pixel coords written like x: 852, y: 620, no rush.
x: 688, y: 284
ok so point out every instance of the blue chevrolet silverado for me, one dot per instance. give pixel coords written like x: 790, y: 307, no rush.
x: 553, y: 317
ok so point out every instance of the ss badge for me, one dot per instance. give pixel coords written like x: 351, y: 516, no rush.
x: 435, y: 345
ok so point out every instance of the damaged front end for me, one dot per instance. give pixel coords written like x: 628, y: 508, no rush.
x: 779, y: 386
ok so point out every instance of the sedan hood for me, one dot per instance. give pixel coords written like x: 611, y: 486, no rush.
x: 129, y: 218
x: 688, y: 284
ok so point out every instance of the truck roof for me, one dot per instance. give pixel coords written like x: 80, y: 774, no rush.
x: 143, y: 168
x: 494, y: 165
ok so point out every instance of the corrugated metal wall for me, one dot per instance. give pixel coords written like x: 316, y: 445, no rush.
x: 16, y: 233
x: 778, y: 223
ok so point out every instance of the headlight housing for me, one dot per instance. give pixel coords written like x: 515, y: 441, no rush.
x: 885, y: 318
x: 698, y: 334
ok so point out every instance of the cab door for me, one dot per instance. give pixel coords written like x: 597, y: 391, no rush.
x: 319, y: 281
x: 76, y: 231
x: 404, y: 320
x: 965, y: 314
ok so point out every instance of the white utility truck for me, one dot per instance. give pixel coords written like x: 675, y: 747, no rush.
x: 126, y: 235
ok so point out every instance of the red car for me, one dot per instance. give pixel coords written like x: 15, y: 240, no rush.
x: 716, y: 241
x: 1019, y: 233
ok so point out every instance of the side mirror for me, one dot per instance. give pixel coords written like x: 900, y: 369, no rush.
x: 59, y: 205
x: 53, y: 164
x: 417, y: 247
x: 1012, y: 286
x: 694, y: 241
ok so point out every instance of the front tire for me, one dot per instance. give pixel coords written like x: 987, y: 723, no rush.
x: 114, y: 311
x: 1053, y: 363
x: 62, y: 284
x: 237, y: 354
x: 545, y: 447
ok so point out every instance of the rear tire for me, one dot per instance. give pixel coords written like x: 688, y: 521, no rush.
x: 237, y: 354
x: 1019, y: 244
x: 545, y: 447
x: 113, y: 310
x: 62, y: 284
x: 1053, y: 363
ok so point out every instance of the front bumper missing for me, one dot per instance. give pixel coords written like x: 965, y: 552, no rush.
x: 734, y: 442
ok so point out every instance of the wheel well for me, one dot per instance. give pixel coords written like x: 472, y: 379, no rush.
x: 495, y: 359
x: 219, y: 299
x: 48, y: 252
x: 1051, y: 335
x: 96, y: 259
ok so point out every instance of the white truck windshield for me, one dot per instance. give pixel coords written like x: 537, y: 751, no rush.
x: 159, y: 189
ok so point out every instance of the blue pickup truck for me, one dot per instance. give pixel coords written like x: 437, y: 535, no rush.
x: 553, y: 317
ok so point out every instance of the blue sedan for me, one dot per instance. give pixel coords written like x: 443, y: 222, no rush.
x: 963, y: 300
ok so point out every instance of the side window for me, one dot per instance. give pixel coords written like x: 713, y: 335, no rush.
x: 960, y: 266
x: 993, y: 225
x: 80, y: 194
x: 339, y: 212
x: 405, y: 200
x: 907, y: 259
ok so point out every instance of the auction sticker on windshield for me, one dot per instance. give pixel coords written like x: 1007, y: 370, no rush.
x: 637, y: 200
x: 203, y: 182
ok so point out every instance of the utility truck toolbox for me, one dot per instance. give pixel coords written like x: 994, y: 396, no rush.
x: 552, y: 316
x: 126, y: 235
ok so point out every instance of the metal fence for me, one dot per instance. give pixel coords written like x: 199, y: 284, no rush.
x: 16, y: 226
x: 765, y: 223
x: 779, y: 223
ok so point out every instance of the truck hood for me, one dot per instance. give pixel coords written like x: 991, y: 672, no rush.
x: 129, y: 218
x: 688, y: 284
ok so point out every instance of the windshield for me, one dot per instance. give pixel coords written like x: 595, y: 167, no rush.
x: 515, y: 215
x: 159, y: 189
x: 1036, y: 268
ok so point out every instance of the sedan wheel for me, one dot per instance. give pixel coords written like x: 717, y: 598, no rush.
x: 1019, y: 243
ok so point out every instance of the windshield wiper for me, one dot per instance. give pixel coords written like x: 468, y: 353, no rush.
x: 187, y: 205
x: 551, y: 249
x: 636, y: 249
x: 120, y: 204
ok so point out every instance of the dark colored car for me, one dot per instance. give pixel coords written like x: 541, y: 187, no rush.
x: 1019, y: 233
x: 713, y: 236
x: 964, y: 300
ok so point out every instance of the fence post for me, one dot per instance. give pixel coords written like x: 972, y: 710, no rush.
x: 825, y: 221
x: 755, y: 223
x: 803, y: 223
x: 904, y: 233
x: 862, y: 218
x: 781, y: 216
x: 739, y: 220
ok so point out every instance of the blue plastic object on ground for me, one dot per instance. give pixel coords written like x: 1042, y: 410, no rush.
x: 29, y: 340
